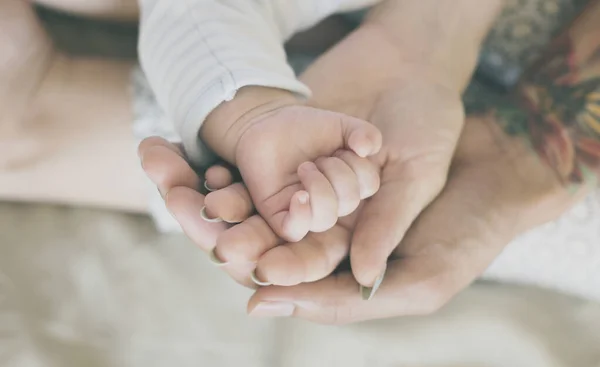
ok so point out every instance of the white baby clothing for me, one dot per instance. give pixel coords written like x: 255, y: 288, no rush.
x: 199, y: 53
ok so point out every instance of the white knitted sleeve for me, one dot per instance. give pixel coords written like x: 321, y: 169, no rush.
x: 199, y: 53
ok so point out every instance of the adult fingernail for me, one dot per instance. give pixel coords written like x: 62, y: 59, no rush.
x: 206, y: 218
x: 273, y: 309
x: 208, y: 188
x: 367, y: 293
x: 257, y: 281
x: 232, y: 221
x: 212, y: 256
x: 363, y: 151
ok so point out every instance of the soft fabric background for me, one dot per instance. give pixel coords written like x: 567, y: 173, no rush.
x: 91, y: 288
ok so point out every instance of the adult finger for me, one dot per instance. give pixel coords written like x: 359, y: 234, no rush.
x: 217, y: 177
x: 166, y: 166
x: 184, y: 204
x: 154, y: 141
x: 239, y: 248
x: 386, y: 217
x: 411, y: 287
x: 408, y: 289
x: 246, y: 242
x: 313, y: 258
x: 231, y: 204
x: 419, y: 145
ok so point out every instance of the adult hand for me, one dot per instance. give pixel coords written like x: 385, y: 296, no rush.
x: 180, y: 186
x: 363, y: 86
x: 407, y: 72
x: 497, y: 188
x: 242, y: 244
x: 421, y: 122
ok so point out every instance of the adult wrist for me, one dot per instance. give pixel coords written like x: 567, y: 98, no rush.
x: 437, y: 39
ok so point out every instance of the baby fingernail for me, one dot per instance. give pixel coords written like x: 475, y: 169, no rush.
x: 273, y: 309
x: 303, y: 197
x: 367, y: 293
x: 363, y: 151
x: 206, y: 218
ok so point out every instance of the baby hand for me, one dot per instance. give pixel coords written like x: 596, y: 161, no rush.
x: 254, y: 255
x: 303, y: 167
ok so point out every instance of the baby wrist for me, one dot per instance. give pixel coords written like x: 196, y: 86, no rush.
x: 225, y: 125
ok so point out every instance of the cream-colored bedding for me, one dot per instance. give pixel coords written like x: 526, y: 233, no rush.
x: 89, y: 288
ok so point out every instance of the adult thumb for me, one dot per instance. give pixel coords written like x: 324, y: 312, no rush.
x: 384, y: 221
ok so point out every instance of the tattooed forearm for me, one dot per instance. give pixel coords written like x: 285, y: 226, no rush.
x: 561, y: 100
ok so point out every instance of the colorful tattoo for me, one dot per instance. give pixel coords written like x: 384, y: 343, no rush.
x: 561, y: 98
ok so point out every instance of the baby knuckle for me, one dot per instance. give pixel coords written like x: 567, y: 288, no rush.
x: 372, y: 185
x: 369, y: 176
x: 348, y: 207
x: 324, y: 223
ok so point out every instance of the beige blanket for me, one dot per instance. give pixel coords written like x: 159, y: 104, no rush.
x: 89, y: 288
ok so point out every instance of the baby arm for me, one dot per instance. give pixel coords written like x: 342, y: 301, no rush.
x: 215, y: 67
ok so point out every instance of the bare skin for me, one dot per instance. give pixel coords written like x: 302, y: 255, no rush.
x: 69, y: 119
